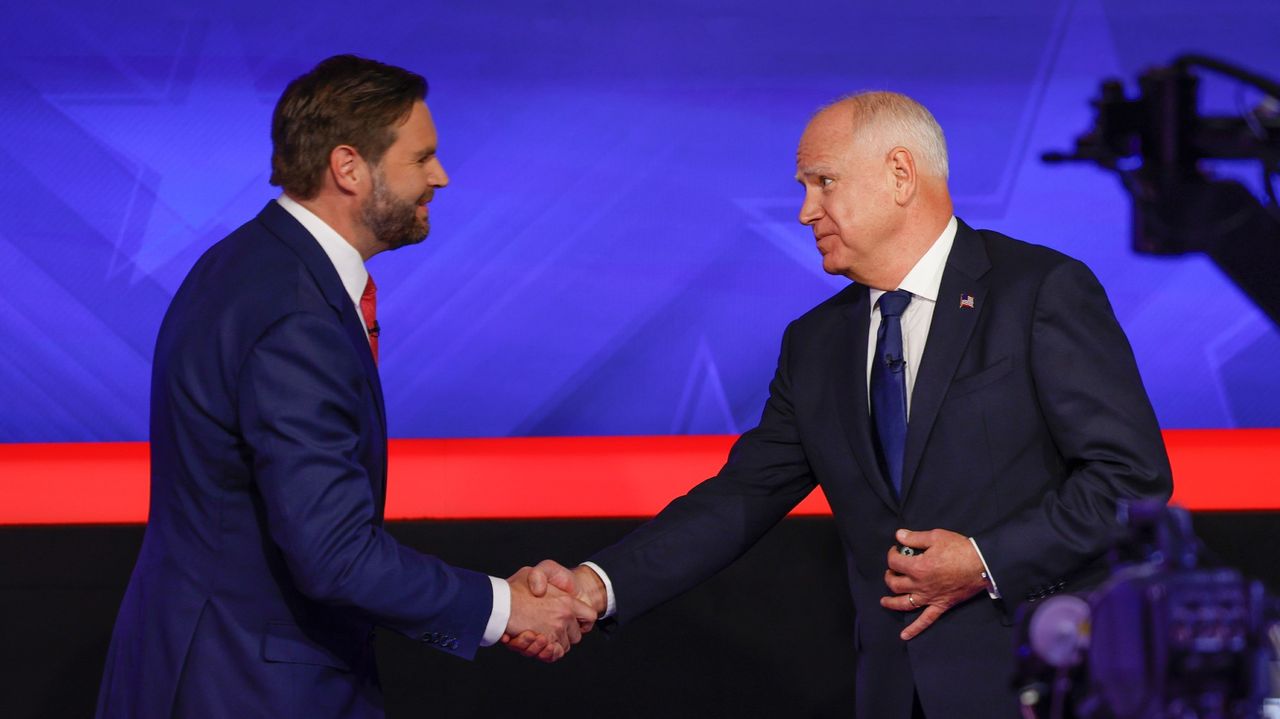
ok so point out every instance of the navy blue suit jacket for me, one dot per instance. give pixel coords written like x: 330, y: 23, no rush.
x: 1028, y: 422
x: 265, y: 566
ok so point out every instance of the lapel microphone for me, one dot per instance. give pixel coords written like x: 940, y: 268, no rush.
x: 895, y: 364
x: 375, y: 329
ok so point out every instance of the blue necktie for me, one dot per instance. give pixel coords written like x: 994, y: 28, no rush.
x: 889, y: 388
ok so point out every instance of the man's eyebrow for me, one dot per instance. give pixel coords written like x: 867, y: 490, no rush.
x: 811, y: 170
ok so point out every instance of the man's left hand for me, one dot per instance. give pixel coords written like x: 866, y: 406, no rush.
x: 582, y: 583
x: 949, y: 572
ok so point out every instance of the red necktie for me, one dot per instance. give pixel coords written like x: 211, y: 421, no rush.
x: 368, y: 308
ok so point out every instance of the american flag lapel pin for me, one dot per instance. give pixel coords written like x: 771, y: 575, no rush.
x: 966, y: 301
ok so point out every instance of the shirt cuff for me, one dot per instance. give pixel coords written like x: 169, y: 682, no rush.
x: 501, y: 613
x: 992, y: 590
x: 611, y: 606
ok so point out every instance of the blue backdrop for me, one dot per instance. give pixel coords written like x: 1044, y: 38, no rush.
x: 618, y: 250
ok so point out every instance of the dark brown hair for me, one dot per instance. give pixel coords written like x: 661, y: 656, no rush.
x: 345, y: 100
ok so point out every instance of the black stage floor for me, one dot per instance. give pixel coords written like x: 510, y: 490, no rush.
x: 768, y: 637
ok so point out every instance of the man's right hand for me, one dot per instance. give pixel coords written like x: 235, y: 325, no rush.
x: 551, y: 618
x: 582, y: 583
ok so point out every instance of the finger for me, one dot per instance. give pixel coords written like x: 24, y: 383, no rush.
x: 894, y: 581
x: 560, y: 577
x: 590, y: 588
x: 561, y: 635
x: 902, y: 564
x: 534, y: 644
x: 537, y: 582
x: 904, y: 584
x: 552, y: 653
x: 917, y: 540
x: 922, y: 622
x: 518, y: 643
x: 902, y: 602
x: 899, y: 583
x: 570, y: 621
x: 527, y: 652
x: 584, y: 614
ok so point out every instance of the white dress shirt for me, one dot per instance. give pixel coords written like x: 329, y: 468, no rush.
x: 923, y: 282
x: 351, y: 270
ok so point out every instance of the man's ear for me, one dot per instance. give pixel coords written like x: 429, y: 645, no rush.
x: 903, y: 168
x: 348, y: 169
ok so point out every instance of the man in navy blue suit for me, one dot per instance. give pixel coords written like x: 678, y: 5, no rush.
x: 265, y: 566
x: 969, y: 405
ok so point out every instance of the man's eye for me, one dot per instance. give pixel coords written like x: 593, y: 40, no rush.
x: 825, y: 181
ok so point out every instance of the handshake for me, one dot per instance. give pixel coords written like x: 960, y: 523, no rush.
x: 551, y: 608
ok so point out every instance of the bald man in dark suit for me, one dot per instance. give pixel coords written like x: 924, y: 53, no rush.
x: 969, y: 405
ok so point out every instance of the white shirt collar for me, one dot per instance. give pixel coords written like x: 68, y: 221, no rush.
x: 345, y: 258
x: 925, y: 278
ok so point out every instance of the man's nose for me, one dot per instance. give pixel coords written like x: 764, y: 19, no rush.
x: 439, y: 178
x: 810, y: 209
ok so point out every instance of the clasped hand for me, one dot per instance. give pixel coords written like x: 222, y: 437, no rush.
x: 947, y: 572
x: 549, y: 610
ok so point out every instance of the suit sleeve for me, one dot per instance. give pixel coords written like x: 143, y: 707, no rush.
x: 700, y: 533
x: 302, y: 398
x: 1100, y: 419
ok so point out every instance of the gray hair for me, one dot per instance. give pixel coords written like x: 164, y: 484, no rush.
x: 895, y: 119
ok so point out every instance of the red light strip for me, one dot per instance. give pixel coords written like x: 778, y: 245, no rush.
x: 556, y: 477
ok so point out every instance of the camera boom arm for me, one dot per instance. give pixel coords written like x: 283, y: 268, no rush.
x: 1155, y: 143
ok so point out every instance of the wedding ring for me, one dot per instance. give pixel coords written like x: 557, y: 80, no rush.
x: 912, y: 599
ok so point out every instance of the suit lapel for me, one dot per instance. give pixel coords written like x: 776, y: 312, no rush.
x: 293, y: 234
x: 949, y: 334
x: 848, y: 382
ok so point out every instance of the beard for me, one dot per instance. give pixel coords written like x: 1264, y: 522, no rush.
x: 391, y: 220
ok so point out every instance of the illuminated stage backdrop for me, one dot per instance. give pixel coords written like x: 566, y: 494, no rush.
x: 618, y: 251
